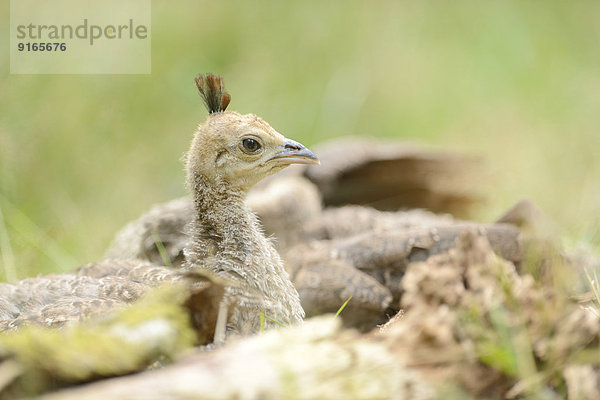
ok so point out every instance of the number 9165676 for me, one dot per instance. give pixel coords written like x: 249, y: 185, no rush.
x: 41, y: 46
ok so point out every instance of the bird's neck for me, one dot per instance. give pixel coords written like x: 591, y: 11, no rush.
x: 223, y: 224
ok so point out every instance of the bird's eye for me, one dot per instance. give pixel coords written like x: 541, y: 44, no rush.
x: 250, y: 146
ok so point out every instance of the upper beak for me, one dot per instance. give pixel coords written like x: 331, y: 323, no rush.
x: 293, y: 152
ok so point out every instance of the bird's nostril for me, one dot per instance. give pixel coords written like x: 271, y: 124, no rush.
x: 291, y: 145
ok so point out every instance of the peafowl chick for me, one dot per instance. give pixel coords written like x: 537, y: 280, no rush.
x: 229, y: 154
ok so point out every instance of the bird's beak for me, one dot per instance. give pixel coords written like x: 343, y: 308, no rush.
x: 293, y: 152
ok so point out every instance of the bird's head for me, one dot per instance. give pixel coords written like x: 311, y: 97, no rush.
x: 234, y: 149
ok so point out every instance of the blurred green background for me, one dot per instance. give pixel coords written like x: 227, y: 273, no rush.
x: 516, y: 82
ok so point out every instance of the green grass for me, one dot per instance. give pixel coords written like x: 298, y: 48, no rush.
x: 594, y: 283
x: 263, y: 318
x: 516, y: 82
x: 164, y: 256
x: 339, y: 311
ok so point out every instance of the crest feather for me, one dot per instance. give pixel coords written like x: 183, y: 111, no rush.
x: 212, y: 90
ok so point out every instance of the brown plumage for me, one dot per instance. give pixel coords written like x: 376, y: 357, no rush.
x: 56, y: 299
x: 230, y: 153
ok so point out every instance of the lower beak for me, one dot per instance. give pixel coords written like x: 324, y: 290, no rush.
x: 293, y: 152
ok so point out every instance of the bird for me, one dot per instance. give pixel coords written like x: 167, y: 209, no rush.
x: 230, y: 153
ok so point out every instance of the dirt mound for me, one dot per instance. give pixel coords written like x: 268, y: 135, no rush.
x: 470, y: 318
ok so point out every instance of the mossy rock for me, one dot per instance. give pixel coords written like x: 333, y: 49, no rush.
x: 154, y: 329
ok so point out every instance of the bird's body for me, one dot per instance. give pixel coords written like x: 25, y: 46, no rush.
x: 228, y: 240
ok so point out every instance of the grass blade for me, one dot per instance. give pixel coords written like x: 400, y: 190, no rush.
x: 8, y: 259
x: 262, y: 322
x: 342, y: 307
x: 275, y: 321
x: 161, y: 249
